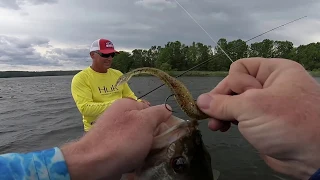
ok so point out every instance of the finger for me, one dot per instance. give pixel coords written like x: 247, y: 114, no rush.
x: 249, y: 73
x: 243, y: 74
x: 222, y: 87
x: 260, y: 68
x: 127, y: 104
x: 247, y: 68
x: 147, y: 102
x: 249, y: 65
x: 236, y: 83
x: 155, y: 115
x: 222, y: 107
x: 240, y: 82
x: 216, y: 125
x: 143, y: 105
x: 129, y: 98
x: 226, y: 126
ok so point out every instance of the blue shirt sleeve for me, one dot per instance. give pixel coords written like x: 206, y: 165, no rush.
x: 316, y: 175
x: 46, y: 164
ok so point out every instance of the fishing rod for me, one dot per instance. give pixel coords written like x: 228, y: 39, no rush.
x: 198, y: 65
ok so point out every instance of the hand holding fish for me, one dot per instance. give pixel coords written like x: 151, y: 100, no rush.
x: 277, y: 109
x: 119, y: 141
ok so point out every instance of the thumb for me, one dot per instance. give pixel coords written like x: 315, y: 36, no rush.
x: 155, y: 115
x: 222, y: 107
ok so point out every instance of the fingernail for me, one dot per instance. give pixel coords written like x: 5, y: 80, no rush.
x: 204, y: 101
x: 168, y: 107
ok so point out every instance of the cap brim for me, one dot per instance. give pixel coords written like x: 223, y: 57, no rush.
x: 108, y: 51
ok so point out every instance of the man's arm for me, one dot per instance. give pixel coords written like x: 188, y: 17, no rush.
x: 82, y: 96
x: 41, y: 165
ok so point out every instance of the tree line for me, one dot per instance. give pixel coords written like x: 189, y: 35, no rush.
x: 176, y: 56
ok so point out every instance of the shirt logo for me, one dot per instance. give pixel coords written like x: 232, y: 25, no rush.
x: 104, y: 90
x: 109, y: 44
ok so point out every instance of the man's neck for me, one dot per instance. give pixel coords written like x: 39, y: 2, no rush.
x: 99, y: 70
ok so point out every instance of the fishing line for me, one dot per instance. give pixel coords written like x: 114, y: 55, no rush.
x: 203, y: 30
x: 200, y: 64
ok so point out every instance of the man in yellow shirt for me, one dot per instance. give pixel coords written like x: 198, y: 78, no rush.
x: 93, y: 88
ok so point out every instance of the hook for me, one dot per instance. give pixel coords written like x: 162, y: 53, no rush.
x: 165, y: 102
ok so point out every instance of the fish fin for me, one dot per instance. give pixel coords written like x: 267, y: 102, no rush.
x: 216, y: 174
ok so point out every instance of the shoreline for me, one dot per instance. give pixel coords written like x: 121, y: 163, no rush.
x: 16, y: 74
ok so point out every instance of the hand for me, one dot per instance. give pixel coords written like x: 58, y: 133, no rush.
x: 141, y: 100
x: 118, y: 142
x: 277, y: 108
x: 146, y: 102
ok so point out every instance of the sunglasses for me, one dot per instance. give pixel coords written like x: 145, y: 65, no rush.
x: 105, y: 55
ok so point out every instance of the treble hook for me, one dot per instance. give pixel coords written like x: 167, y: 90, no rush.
x: 165, y: 102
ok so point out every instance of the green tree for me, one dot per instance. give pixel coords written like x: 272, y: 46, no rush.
x: 122, y: 61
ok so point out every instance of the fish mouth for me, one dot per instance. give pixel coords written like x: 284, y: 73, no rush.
x: 178, y: 128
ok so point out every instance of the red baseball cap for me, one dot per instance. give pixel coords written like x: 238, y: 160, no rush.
x: 105, y: 46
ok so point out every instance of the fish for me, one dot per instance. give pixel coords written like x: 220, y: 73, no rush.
x: 181, y: 93
x: 177, y: 153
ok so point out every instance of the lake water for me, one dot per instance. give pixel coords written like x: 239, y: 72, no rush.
x: 39, y: 112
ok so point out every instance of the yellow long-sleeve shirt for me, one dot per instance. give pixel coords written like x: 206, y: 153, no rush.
x: 93, y: 92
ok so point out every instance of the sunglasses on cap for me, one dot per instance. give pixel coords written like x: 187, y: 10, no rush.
x: 105, y: 55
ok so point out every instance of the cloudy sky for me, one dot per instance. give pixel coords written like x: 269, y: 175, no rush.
x: 56, y: 34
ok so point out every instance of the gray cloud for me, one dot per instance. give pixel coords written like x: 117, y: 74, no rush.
x: 21, y: 51
x: 69, y: 27
x: 144, y: 26
x: 16, y: 4
x: 78, y: 56
x: 158, y: 5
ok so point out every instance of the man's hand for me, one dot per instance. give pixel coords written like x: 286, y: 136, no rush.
x: 118, y: 142
x: 141, y: 100
x: 277, y: 108
x: 146, y: 102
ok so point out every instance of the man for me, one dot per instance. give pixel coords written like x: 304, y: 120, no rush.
x: 93, y: 88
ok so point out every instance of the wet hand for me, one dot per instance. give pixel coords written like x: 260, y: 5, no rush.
x: 277, y: 108
x: 118, y: 142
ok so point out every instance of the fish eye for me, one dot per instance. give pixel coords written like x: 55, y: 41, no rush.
x: 179, y: 164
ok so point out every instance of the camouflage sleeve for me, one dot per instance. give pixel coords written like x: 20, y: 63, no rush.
x: 38, y: 165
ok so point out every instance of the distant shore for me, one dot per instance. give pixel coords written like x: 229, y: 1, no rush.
x: 13, y: 74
